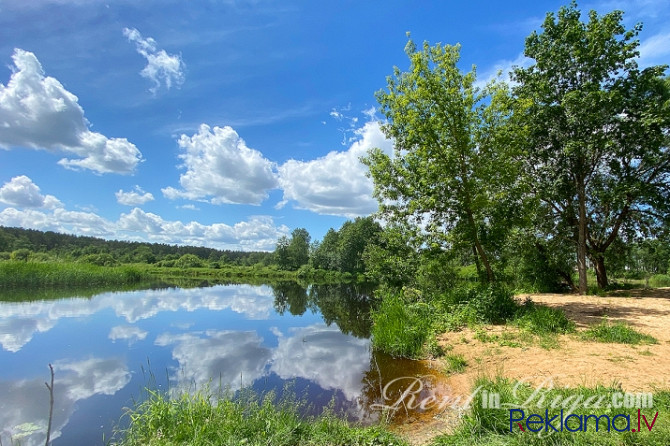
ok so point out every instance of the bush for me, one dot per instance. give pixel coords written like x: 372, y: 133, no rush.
x: 103, y: 259
x: 489, y: 304
x: 189, y: 261
x: 659, y: 280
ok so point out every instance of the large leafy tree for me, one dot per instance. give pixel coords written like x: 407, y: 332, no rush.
x: 449, y: 175
x: 291, y: 254
x: 597, y: 132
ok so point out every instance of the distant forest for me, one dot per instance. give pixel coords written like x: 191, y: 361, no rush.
x: 73, y: 247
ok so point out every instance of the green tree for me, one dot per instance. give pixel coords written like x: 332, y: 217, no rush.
x: 354, y: 236
x: 291, y: 254
x: 597, y: 132
x: 449, y: 174
x: 325, y: 254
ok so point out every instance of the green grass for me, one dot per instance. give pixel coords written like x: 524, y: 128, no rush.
x: 490, y: 426
x: 201, y: 419
x: 540, y: 319
x: 401, y: 328
x: 618, y: 333
x: 18, y: 274
x: 455, y: 364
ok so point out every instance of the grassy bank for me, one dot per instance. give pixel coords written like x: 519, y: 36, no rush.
x: 197, y: 420
x: 405, y: 323
x: 491, y: 426
x: 32, y: 275
x: 19, y: 274
x: 257, y: 273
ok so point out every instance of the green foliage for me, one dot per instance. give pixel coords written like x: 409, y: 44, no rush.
x: 343, y: 250
x: 596, y: 134
x: 540, y: 319
x: 21, y: 255
x: 400, y: 328
x: 660, y: 280
x: 617, y: 332
x: 291, y: 254
x: 488, y: 304
x: 454, y: 364
x: 103, y: 259
x: 391, y: 261
x: 189, y: 261
x: 17, y: 274
x: 451, y: 170
x: 204, y: 419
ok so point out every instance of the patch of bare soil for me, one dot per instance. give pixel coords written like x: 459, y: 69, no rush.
x: 574, y: 362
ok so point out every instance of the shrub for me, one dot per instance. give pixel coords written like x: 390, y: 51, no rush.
x: 189, y: 261
x: 659, y: 280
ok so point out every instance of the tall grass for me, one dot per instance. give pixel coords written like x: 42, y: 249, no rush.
x: 17, y: 274
x: 400, y: 328
x: 202, y: 419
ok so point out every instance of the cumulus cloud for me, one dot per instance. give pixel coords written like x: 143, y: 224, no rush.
x: 27, y: 422
x: 254, y: 234
x: 237, y: 358
x: 129, y: 333
x: 22, y: 192
x: 324, y: 355
x: 21, y: 321
x: 335, y: 184
x: 37, y: 112
x: 135, y: 197
x: 162, y: 68
x: 220, y: 167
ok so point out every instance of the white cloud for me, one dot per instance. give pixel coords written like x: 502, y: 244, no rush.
x: 655, y: 50
x: 257, y: 233
x: 324, y: 355
x: 135, y: 197
x: 236, y: 358
x: 27, y: 422
x: 127, y: 332
x: 37, y: 112
x: 162, y: 68
x: 335, y: 184
x: 220, y: 165
x: 20, y: 321
x: 504, y: 68
x: 22, y: 192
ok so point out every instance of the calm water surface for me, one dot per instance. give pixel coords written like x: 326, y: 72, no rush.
x: 107, y: 348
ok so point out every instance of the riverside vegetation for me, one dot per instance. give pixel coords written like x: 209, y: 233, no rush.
x: 558, y: 182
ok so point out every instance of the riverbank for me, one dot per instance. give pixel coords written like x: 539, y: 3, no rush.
x: 34, y: 275
x: 17, y: 275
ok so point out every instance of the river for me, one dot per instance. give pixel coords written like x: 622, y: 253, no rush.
x: 106, y: 349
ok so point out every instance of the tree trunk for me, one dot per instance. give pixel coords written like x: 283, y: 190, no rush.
x: 477, y: 264
x: 601, y: 272
x: 485, y: 260
x: 581, y: 238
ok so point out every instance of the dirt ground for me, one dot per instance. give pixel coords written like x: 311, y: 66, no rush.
x: 574, y: 362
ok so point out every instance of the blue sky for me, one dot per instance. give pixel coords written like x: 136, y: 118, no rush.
x: 224, y: 123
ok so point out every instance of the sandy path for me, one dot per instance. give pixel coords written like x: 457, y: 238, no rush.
x: 575, y: 362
